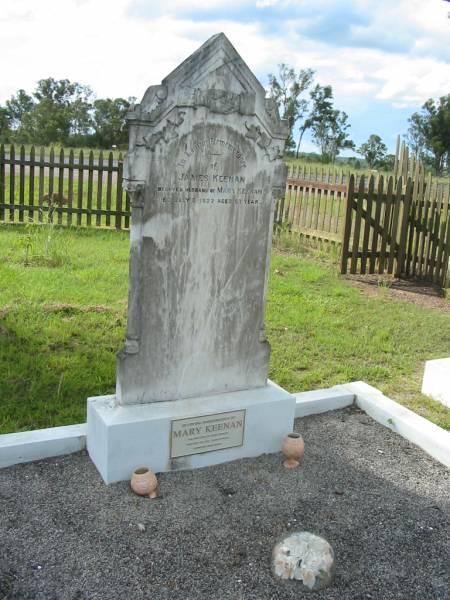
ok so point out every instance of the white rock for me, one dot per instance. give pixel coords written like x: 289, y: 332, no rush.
x: 306, y: 558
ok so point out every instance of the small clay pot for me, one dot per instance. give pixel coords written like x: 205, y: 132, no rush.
x: 293, y: 448
x: 144, y: 482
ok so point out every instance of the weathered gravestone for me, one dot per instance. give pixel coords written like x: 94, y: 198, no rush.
x: 203, y: 170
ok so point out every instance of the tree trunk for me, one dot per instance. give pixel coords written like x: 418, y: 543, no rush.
x: 302, y: 131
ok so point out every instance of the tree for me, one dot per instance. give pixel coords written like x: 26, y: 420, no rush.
x: 387, y: 163
x: 374, y: 151
x: 18, y: 107
x: 429, y: 133
x: 286, y: 90
x: 5, y: 124
x: 62, y: 109
x: 436, y: 130
x: 330, y: 132
x: 108, y: 121
x: 415, y: 137
x: 321, y: 106
x: 57, y: 109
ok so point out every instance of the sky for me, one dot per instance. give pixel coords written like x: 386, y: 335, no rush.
x: 383, y: 58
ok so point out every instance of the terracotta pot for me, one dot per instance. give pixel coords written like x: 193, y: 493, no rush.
x: 293, y: 448
x: 144, y: 482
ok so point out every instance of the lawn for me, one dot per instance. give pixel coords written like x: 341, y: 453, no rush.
x: 60, y: 328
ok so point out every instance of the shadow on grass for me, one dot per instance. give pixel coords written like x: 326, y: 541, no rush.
x: 53, y: 357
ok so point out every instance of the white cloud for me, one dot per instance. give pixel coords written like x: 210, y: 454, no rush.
x: 100, y: 43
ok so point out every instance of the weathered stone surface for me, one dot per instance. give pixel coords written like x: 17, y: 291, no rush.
x: 203, y: 169
x: 306, y: 558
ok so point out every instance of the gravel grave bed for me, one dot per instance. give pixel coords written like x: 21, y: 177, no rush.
x: 382, y: 503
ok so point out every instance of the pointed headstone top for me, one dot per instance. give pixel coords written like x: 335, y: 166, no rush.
x: 214, y: 76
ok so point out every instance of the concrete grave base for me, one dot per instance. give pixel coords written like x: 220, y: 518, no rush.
x: 121, y: 438
x: 436, y: 380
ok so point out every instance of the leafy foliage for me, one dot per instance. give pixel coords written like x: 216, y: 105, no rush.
x: 18, y: 107
x: 330, y: 132
x: 374, y: 151
x: 429, y: 133
x: 109, y: 122
x: 286, y: 89
x: 5, y: 124
x: 320, y: 104
x: 329, y: 126
x: 64, y: 112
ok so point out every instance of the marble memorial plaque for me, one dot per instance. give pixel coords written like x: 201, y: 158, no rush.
x: 207, y: 433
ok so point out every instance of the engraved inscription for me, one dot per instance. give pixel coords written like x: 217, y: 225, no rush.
x: 211, y: 147
x: 207, y: 433
x: 212, y: 186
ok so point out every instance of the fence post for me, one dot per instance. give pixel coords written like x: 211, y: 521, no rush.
x: 2, y: 182
x: 119, y: 192
x: 70, y: 188
x: 446, y: 265
x: 21, y: 183
x: 402, y: 244
x: 347, y: 224
x: 80, y: 187
x: 31, y: 185
x: 12, y: 182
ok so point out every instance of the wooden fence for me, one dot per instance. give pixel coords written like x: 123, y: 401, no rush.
x: 81, y: 190
x: 397, y: 229
x: 384, y: 225
x: 313, y: 207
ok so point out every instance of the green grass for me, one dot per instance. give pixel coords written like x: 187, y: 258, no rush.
x: 61, y: 327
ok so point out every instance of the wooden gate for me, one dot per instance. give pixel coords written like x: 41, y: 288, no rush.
x: 397, y: 228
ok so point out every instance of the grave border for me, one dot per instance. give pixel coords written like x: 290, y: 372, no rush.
x: 38, y: 444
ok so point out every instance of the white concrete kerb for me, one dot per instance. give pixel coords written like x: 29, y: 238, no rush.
x: 320, y: 401
x: 421, y: 432
x: 28, y: 446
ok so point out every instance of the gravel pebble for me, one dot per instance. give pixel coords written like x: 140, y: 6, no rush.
x: 64, y: 535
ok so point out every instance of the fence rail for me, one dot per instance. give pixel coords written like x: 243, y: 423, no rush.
x: 82, y: 190
x: 312, y: 208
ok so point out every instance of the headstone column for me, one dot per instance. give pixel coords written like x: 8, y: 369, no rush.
x: 136, y: 190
